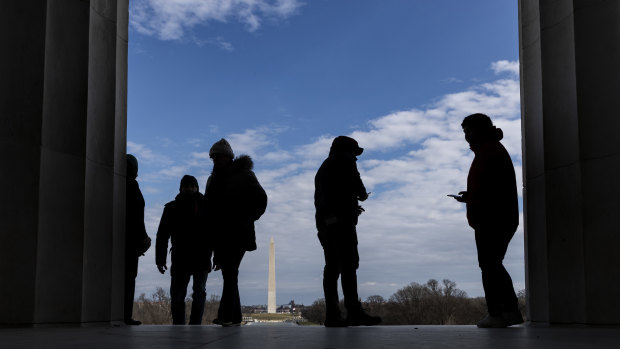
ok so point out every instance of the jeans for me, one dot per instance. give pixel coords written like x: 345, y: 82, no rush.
x: 230, y: 304
x: 498, y: 289
x: 178, y: 290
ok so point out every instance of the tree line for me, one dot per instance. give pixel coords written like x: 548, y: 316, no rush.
x: 432, y: 303
x: 156, y: 310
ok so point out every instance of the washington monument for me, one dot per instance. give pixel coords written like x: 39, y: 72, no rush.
x: 271, y: 301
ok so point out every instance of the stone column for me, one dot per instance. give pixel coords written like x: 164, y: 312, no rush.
x: 62, y: 143
x: 569, y: 53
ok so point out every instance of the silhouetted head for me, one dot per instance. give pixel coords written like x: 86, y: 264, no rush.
x: 221, y: 153
x: 344, y: 144
x: 478, y: 128
x: 132, y: 166
x: 221, y: 147
x: 189, y: 184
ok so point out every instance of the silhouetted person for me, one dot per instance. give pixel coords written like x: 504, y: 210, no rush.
x: 338, y: 187
x: 492, y: 211
x: 233, y: 201
x: 136, y: 240
x: 191, y: 250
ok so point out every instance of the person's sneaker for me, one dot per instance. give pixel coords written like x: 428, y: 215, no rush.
x: 226, y: 323
x: 132, y: 322
x: 512, y: 317
x: 335, y: 322
x: 492, y: 322
x: 361, y: 318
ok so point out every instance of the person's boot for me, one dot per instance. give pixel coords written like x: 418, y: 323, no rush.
x: 512, y: 317
x: 492, y: 322
x: 359, y: 317
x: 333, y: 319
x: 132, y: 322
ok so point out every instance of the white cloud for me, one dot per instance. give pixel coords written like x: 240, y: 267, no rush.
x: 172, y: 19
x: 145, y: 155
x: 506, y: 66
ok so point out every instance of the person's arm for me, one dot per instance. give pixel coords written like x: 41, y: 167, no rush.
x: 161, y: 242
x: 359, y: 188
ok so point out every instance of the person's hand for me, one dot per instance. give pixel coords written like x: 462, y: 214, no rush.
x: 364, y: 197
x: 360, y: 209
x: 162, y: 268
x: 216, y: 267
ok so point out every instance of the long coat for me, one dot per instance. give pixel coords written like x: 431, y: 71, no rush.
x: 234, y: 200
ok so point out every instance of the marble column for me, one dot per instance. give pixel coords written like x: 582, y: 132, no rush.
x: 62, y: 145
x: 570, y: 83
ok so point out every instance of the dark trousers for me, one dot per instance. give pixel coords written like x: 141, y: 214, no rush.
x: 339, y: 243
x: 131, y: 271
x: 498, y: 289
x: 230, y: 304
x: 178, y: 289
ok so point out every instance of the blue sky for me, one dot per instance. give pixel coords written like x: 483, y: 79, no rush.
x: 280, y: 78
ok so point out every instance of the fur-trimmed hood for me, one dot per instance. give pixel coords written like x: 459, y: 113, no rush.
x: 242, y: 162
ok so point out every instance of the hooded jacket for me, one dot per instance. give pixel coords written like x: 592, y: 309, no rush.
x: 181, y: 222
x: 234, y: 200
x: 492, y: 202
x: 337, y: 187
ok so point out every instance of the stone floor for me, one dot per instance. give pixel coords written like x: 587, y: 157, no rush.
x: 280, y: 337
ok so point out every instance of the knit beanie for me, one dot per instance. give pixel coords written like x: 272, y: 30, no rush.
x: 188, y: 181
x: 221, y: 147
x: 132, y: 166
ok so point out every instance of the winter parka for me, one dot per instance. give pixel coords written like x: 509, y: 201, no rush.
x: 234, y: 200
x: 182, y: 223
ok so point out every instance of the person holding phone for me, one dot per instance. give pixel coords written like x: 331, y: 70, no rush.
x: 493, y: 213
x: 338, y: 188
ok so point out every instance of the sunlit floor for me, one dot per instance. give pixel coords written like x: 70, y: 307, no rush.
x: 258, y: 336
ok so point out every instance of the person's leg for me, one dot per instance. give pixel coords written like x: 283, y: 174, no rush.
x: 349, y: 264
x: 230, y: 304
x: 490, y: 257
x: 199, y: 296
x: 131, y: 271
x: 497, y: 284
x: 356, y: 316
x: 331, y: 272
x: 509, y: 299
x: 236, y: 307
x: 178, y: 290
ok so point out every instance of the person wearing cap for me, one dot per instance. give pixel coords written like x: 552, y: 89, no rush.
x: 191, y: 250
x: 137, y: 241
x: 493, y: 212
x: 234, y: 200
x: 338, y: 190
